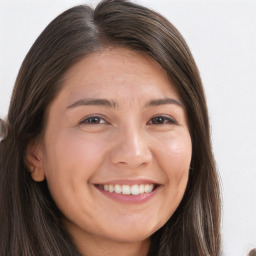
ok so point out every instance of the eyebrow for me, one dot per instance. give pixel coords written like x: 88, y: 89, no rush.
x: 94, y: 102
x: 164, y: 101
x: 112, y: 104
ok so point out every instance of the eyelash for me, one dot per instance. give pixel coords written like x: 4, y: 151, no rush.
x: 85, y: 121
x: 161, y: 119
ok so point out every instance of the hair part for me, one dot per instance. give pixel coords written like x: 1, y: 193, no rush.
x: 30, y: 222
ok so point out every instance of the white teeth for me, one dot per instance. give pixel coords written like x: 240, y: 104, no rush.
x: 148, y: 188
x: 142, y: 189
x: 129, y: 190
x: 118, y: 189
x: 135, y: 190
x: 126, y: 190
x: 111, y: 188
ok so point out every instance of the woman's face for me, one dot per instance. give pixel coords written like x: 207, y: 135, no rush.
x: 117, y: 124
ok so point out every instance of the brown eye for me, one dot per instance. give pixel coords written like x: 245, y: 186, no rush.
x: 93, y: 120
x: 162, y: 120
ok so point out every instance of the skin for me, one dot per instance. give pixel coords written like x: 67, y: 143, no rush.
x: 127, y: 141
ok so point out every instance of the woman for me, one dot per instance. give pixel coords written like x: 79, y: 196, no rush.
x: 108, y: 150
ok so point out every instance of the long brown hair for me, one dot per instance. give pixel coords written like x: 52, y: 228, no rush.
x: 30, y: 222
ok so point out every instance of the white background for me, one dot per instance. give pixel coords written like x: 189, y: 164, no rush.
x: 222, y: 38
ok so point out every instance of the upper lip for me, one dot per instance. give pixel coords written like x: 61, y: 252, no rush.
x: 128, y: 182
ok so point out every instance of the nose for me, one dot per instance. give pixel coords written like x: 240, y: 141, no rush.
x: 131, y: 149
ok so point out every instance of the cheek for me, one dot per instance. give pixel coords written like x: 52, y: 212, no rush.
x: 174, y: 156
x: 72, y: 159
x: 173, y: 153
x: 74, y: 150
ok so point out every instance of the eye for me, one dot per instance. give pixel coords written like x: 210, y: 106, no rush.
x: 158, y: 120
x: 93, y: 120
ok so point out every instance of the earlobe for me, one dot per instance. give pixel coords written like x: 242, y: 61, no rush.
x: 37, y: 175
x: 34, y: 161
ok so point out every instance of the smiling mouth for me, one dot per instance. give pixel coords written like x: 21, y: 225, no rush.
x: 127, y: 189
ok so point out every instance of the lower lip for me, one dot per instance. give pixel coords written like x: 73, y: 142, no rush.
x: 129, y: 198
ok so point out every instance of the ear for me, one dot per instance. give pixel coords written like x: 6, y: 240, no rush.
x: 34, y: 161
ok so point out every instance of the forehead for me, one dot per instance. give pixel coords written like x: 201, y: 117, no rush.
x: 116, y: 56
x: 116, y: 70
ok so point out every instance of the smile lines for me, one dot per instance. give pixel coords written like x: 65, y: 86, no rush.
x: 128, y: 190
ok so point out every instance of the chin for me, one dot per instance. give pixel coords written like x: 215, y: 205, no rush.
x: 132, y: 233
x: 132, y: 237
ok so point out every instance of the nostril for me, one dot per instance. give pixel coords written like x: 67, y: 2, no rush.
x: 130, y: 157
